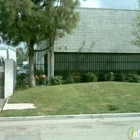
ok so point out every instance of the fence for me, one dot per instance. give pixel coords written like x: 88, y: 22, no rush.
x: 97, y: 62
x: 1, y: 77
x: 1, y: 82
x: 79, y: 63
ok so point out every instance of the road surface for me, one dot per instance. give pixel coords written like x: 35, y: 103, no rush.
x: 70, y: 129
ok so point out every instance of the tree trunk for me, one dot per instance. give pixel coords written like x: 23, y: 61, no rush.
x: 31, y: 67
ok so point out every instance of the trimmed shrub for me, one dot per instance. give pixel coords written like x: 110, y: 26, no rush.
x: 130, y: 78
x: 89, y: 77
x: 57, y: 80
x: 22, y: 80
x: 109, y: 77
x: 123, y: 77
x: 41, y: 79
x: 69, y: 79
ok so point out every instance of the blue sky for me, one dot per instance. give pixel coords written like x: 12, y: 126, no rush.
x: 116, y: 4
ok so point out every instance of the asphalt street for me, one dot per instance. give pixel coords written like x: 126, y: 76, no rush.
x: 70, y: 129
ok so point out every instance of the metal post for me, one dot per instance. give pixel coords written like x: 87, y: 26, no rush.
x: 1, y: 82
x: 50, y: 65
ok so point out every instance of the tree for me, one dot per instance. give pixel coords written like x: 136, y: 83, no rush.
x: 31, y: 21
x: 136, y: 32
x: 21, y: 55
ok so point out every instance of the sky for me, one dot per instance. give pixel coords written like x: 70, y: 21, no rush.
x: 115, y: 4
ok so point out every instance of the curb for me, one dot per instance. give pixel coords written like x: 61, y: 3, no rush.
x: 62, y: 117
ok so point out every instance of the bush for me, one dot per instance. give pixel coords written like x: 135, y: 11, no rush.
x: 41, y: 79
x: 38, y: 72
x: 89, y: 77
x: 57, y: 80
x: 123, y: 77
x: 109, y: 77
x: 130, y: 78
x: 22, y: 80
x: 69, y: 79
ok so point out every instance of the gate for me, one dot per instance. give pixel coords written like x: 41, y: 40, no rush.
x: 1, y: 77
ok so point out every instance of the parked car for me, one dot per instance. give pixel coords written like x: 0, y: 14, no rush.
x: 23, y: 70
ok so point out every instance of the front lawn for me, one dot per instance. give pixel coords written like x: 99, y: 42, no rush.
x: 83, y: 98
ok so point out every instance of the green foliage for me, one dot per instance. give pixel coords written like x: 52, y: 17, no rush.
x: 89, y: 77
x: 136, y: 32
x: 89, y: 98
x: 130, y: 78
x: 22, y: 80
x: 21, y: 55
x: 57, y: 80
x: 38, y: 72
x: 32, y: 21
x: 69, y: 79
x: 123, y: 77
x: 41, y: 79
x: 109, y: 76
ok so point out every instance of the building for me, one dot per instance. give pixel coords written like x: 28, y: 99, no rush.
x: 8, y: 53
x: 102, y: 41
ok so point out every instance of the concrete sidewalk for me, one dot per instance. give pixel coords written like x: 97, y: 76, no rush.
x: 17, y: 106
x: 2, y: 103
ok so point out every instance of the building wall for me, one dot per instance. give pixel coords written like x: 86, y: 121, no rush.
x: 9, y: 53
x: 39, y: 56
x: 101, y: 30
x: 12, y: 54
x: 101, y: 41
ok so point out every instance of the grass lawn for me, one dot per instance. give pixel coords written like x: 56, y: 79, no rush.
x: 83, y: 98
